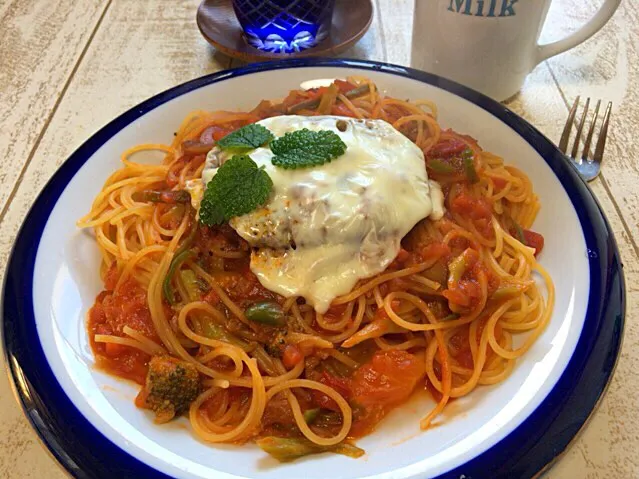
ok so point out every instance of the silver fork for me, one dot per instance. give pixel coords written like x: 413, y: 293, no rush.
x: 587, y: 166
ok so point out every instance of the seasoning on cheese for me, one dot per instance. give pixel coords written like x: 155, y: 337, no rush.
x: 325, y: 228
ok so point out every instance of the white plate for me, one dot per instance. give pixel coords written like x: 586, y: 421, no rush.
x: 473, y: 430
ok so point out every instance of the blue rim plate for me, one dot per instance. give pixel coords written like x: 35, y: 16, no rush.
x: 524, y: 452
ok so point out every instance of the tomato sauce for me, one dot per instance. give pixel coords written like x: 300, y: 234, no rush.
x: 111, y: 312
x: 384, y: 382
x: 243, y: 287
x: 387, y: 378
x: 534, y: 240
x: 460, y: 345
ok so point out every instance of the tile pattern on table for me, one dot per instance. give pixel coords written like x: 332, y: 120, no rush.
x: 141, y: 49
x: 40, y: 43
x: 606, y: 67
x: 396, y: 29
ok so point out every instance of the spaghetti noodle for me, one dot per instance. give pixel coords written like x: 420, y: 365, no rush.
x: 443, y: 316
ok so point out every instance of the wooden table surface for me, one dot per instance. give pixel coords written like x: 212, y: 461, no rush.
x: 67, y: 67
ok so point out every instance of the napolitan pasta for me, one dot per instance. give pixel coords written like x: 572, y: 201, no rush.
x: 190, y: 313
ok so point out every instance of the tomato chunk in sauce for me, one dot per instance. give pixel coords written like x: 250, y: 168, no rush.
x: 386, y: 381
x: 112, y: 311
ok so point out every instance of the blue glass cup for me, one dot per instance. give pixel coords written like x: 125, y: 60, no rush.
x: 284, y: 26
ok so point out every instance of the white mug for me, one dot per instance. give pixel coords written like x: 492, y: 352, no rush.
x: 489, y: 45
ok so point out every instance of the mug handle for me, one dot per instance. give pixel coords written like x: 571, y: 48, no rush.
x: 584, y: 33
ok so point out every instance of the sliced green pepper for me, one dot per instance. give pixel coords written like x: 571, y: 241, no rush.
x: 520, y: 233
x: 168, y: 196
x: 440, y: 166
x: 180, y: 255
x: 314, y: 102
x: 167, y: 287
x: 469, y: 166
x: 266, y: 312
x: 504, y: 292
x: 191, y: 284
x: 310, y: 415
x: 189, y: 239
x: 456, y: 269
x: 214, y: 331
x: 289, y: 449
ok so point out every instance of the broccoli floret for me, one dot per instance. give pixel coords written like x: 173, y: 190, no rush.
x: 171, y: 386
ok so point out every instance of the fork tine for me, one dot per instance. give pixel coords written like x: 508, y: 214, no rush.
x: 601, y: 142
x: 565, y: 136
x: 591, y: 131
x: 580, y: 128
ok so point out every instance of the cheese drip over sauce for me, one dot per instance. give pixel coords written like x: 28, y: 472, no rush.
x: 325, y: 228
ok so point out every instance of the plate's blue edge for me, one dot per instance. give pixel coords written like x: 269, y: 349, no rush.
x: 544, y: 435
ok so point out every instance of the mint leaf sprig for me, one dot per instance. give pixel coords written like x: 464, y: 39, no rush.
x: 237, y: 188
x: 305, y: 148
x: 246, y: 138
x: 240, y: 186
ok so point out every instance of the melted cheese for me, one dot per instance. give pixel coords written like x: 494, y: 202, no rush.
x: 327, y: 227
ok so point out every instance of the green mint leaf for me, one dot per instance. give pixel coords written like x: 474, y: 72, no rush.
x: 246, y: 138
x: 237, y: 188
x: 304, y: 148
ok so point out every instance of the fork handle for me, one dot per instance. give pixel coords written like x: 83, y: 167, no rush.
x: 584, y: 33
